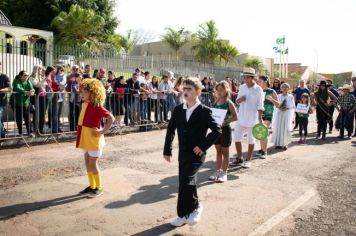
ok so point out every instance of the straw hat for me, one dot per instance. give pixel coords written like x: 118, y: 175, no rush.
x: 347, y: 87
x: 249, y: 72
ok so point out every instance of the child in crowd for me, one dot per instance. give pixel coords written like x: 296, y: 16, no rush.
x: 303, y: 117
x: 143, y: 100
x: 222, y: 144
x: 192, y: 121
x: 282, y: 119
x: 90, y: 134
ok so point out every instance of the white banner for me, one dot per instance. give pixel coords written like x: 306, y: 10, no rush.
x: 219, y: 115
x: 302, y: 108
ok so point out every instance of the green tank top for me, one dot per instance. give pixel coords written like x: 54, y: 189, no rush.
x: 224, y: 106
x: 268, y: 105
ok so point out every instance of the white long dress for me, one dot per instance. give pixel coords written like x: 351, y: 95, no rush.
x: 282, y: 123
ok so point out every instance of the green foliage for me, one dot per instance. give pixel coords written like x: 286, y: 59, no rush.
x: 39, y: 14
x: 176, y: 38
x: 128, y: 41
x: 207, y: 44
x: 79, y: 27
x: 295, y: 75
x: 227, y: 52
x: 256, y: 63
x: 209, y: 47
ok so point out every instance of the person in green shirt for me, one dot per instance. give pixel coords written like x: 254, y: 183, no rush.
x: 20, y: 100
x: 223, y: 143
x: 270, y: 101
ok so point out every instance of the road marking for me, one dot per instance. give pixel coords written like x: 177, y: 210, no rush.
x: 276, y: 219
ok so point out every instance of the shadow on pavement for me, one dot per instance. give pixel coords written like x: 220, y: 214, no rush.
x: 8, y: 212
x: 166, y: 189
x: 158, y: 230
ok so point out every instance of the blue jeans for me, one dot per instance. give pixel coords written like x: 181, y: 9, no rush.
x: 143, y: 109
x: 171, y: 102
x: 2, y: 130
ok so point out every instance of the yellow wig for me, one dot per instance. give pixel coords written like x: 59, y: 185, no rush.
x: 96, y: 90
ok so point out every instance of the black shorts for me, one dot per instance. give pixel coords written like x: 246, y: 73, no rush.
x: 267, y: 118
x: 225, y: 138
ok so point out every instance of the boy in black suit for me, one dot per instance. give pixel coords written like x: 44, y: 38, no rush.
x: 192, y: 121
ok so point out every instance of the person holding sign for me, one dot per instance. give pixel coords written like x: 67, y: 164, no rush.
x: 303, y: 110
x: 192, y: 121
x: 222, y: 144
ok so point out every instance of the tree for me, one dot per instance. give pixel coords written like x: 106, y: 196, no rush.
x: 79, y: 27
x: 104, y: 8
x: 176, y: 39
x: 207, y: 45
x: 227, y: 52
x: 143, y: 36
x: 295, y: 75
x: 256, y: 63
x: 128, y: 41
x: 39, y: 14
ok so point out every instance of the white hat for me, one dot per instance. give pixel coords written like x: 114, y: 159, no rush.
x: 249, y: 72
x: 347, y: 87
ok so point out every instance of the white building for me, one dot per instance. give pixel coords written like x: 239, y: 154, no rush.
x: 22, y: 48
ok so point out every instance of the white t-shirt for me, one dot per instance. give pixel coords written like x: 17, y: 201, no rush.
x: 248, y: 110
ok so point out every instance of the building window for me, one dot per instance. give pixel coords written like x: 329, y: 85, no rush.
x: 8, y: 48
x: 23, y: 48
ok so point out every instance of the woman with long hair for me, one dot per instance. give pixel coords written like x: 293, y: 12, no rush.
x: 154, y: 97
x: 323, y: 98
x: 178, y: 87
x: 277, y: 86
x: 282, y: 122
x: 39, y: 101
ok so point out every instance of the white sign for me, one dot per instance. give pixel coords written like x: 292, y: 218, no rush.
x: 302, y: 108
x: 219, y: 115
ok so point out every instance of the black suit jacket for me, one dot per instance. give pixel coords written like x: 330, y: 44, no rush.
x: 192, y: 133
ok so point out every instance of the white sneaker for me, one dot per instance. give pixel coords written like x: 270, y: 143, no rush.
x: 222, y: 178
x: 264, y: 155
x: 178, y: 222
x: 194, y: 217
x: 246, y: 164
x: 215, y: 176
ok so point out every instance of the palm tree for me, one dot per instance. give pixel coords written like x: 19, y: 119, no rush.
x: 79, y: 27
x: 176, y: 39
x: 256, y: 63
x: 207, y: 46
x: 128, y: 41
x: 227, y: 52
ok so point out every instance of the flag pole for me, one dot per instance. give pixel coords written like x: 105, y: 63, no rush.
x: 280, y: 61
x: 287, y: 60
x: 284, y: 61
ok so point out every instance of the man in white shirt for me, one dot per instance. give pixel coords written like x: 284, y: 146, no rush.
x: 165, y: 87
x: 250, y: 99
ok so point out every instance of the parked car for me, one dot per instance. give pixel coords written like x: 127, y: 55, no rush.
x: 66, y: 60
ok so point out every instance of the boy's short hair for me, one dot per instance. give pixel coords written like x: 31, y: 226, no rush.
x: 193, y: 81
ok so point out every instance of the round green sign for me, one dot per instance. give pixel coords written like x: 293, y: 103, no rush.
x: 260, y: 132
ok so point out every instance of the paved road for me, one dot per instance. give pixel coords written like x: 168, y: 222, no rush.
x: 306, y: 190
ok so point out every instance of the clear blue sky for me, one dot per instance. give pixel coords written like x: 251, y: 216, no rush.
x: 312, y: 27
